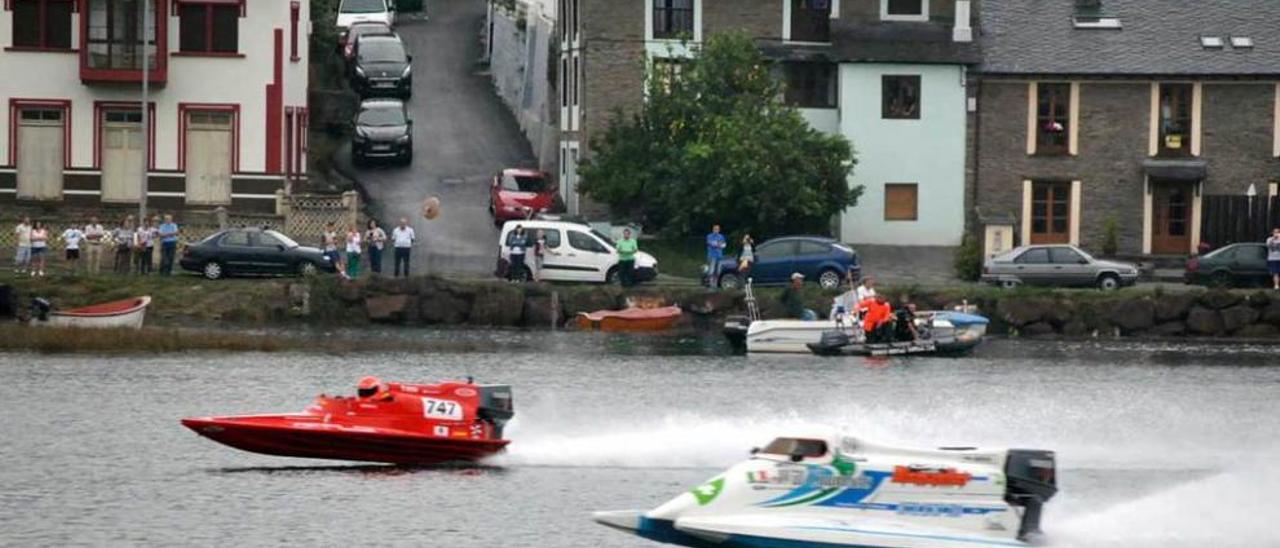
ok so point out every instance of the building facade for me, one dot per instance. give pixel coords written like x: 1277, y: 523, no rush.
x: 226, y: 113
x: 890, y: 75
x: 1125, y: 117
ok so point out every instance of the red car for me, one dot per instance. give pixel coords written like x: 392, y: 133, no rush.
x: 520, y: 194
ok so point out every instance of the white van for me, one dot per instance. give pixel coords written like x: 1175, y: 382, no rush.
x: 357, y: 11
x: 575, y: 253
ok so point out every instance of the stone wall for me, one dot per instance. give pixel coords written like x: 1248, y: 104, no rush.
x: 523, y: 79
x: 1208, y: 314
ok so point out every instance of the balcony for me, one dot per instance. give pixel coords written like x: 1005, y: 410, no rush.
x: 111, y: 34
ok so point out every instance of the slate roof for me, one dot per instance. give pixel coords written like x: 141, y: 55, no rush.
x: 1158, y: 37
x: 882, y: 42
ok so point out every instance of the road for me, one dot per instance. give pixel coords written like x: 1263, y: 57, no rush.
x: 462, y: 133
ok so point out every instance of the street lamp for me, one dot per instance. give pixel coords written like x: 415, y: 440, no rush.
x: 146, y: 130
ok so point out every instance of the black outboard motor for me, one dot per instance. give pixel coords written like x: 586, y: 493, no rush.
x: 496, y: 406
x: 1032, y: 481
x: 40, y: 308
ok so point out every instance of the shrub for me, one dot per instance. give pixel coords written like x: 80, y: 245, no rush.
x: 968, y: 258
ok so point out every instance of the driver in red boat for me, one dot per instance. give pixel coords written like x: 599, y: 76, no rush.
x: 373, y: 389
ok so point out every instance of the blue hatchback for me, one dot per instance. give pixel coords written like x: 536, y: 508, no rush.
x: 820, y: 259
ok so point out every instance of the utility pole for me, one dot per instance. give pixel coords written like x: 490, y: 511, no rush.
x: 146, y: 129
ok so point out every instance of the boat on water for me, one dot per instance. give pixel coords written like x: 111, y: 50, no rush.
x: 630, y: 319
x: 939, y: 332
x: 946, y: 331
x: 395, y: 423
x: 122, y: 314
x: 837, y: 491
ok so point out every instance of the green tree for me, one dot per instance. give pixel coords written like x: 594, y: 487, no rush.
x: 713, y: 142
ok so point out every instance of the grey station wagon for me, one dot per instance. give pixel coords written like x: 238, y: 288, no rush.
x: 1056, y: 265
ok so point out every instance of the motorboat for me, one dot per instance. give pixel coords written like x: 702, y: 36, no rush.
x: 630, y: 319
x: 396, y: 423
x: 122, y: 314
x: 839, y: 491
x: 951, y: 332
x: 938, y: 332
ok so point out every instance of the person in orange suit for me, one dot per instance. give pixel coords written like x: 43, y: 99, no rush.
x: 877, y: 318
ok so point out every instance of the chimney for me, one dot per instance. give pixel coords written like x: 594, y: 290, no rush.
x: 963, y: 32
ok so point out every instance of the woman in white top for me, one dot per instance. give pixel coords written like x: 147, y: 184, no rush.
x: 39, y: 245
x: 353, y: 252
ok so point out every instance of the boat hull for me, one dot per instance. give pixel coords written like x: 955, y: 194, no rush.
x: 631, y: 319
x: 951, y: 333
x: 307, y: 436
x: 125, y: 314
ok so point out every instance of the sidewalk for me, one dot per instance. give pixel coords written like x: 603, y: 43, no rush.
x: 908, y: 265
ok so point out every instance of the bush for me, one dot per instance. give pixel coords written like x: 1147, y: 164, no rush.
x: 968, y: 258
x: 1110, y: 236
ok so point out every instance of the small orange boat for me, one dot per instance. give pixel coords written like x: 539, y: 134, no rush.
x: 630, y: 319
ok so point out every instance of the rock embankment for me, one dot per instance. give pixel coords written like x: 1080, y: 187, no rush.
x: 1210, y: 314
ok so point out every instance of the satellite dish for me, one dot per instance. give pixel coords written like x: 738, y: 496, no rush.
x: 431, y: 208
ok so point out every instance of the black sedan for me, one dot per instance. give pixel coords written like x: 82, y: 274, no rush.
x: 383, y: 130
x: 1241, y: 264
x: 381, y: 67
x: 252, y: 251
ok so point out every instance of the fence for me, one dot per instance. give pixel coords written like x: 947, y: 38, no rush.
x: 1227, y: 219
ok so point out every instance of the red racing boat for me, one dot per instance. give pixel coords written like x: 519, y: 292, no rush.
x: 409, y: 424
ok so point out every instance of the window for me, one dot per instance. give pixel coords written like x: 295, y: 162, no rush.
x: 552, y: 235
x: 42, y: 24
x: 1050, y: 212
x: 524, y: 183
x: 666, y: 71
x: 672, y: 18
x: 1037, y: 255
x: 1053, y: 118
x: 811, y: 85
x: 904, y: 10
x: 811, y: 20
x: 564, y: 82
x: 775, y: 250
x: 115, y: 35
x: 209, y: 27
x: 901, y: 201
x: 30, y: 114
x: 294, y: 13
x: 813, y: 248
x: 267, y: 240
x: 1065, y: 255
x: 1252, y: 253
x: 900, y: 97
x: 796, y: 447
x: 1175, y: 120
x: 582, y: 242
x: 236, y: 238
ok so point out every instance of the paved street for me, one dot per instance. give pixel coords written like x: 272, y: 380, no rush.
x: 462, y: 136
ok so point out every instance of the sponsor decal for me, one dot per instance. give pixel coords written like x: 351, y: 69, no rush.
x: 707, y: 492
x: 465, y: 393
x: 930, y: 476
x: 983, y: 459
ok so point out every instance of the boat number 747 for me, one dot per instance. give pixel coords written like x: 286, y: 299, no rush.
x: 441, y: 409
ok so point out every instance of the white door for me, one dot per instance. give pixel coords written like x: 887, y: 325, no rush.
x: 209, y: 158
x: 40, y: 153
x: 123, y: 155
x: 590, y: 258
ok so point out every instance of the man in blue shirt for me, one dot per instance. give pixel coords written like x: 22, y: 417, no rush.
x: 168, y: 233
x: 715, y: 251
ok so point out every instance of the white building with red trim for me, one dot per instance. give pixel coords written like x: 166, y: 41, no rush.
x: 227, y: 107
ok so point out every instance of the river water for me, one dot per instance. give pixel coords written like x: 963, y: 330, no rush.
x: 1158, y: 444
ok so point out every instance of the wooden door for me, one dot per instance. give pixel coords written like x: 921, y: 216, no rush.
x: 209, y: 157
x: 1171, y: 218
x: 1050, y: 212
x: 123, y: 155
x: 40, y: 153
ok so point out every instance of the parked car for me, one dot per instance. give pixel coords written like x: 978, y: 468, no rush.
x: 519, y: 194
x: 252, y: 251
x: 351, y: 12
x: 383, y: 129
x: 1056, y: 265
x: 363, y: 28
x: 823, y: 260
x: 576, y: 253
x: 381, y: 66
x: 1235, y: 264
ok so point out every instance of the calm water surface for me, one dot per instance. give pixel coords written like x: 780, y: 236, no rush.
x: 1158, y: 444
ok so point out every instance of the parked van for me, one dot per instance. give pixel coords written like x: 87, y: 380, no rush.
x: 576, y: 253
x: 357, y: 11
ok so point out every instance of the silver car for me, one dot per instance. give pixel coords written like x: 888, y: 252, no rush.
x: 1056, y: 265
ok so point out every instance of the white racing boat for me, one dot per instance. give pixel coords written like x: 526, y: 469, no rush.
x: 832, y: 491
x: 952, y: 331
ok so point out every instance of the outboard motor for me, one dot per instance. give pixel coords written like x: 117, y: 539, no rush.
x: 1032, y: 481
x: 831, y: 342
x: 496, y: 406
x: 40, y: 308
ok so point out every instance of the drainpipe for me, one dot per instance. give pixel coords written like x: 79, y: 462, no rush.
x: 977, y: 152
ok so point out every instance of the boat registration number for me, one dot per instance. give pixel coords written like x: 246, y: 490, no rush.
x: 441, y: 409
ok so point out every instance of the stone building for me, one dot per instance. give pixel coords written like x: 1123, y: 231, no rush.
x: 1127, y: 113
x: 888, y: 74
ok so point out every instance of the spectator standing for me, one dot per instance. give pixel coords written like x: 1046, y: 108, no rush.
x: 747, y: 257
x: 329, y: 244
x: 376, y: 239
x: 143, y: 245
x: 123, y: 236
x: 715, y: 252
x: 22, y: 255
x: 168, y: 234
x: 353, y: 252
x: 94, y: 238
x: 517, y: 243
x: 39, y: 247
x: 71, y: 238
x: 866, y: 289
x: 402, y: 238
x: 627, y: 248
x: 1273, y: 258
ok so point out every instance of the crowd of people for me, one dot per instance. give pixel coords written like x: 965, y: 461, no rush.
x: 347, y: 251
x: 860, y: 306
x: 131, y: 245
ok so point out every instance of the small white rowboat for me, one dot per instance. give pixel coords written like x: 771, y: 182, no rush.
x: 127, y: 313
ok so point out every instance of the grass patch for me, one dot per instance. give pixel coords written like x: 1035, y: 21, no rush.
x: 683, y: 257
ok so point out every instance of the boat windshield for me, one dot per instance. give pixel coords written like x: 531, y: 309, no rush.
x: 796, y: 447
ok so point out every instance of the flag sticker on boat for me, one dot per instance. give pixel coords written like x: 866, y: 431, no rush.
x: 442, y: 430
x: 441, y: 409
